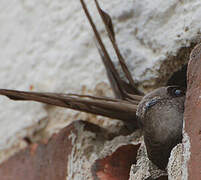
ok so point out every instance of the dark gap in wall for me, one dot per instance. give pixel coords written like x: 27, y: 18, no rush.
x: 179, y: 77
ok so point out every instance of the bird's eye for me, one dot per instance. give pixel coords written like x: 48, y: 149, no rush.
x: 176, y: 91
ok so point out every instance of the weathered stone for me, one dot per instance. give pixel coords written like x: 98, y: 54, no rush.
x: 40, y: 161
x: 59, y: 55
x: 117, y: 165
x: 144, y: 169
x: 174, y: 167
x: 192, y: 118
x: 76, y: 152
x: 47, y: 160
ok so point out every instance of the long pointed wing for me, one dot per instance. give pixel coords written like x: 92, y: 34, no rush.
x: 113, y: 108
x: 109, y: 27
x: 121, y: 88
x: 113, y: 75
x: 123, y: 108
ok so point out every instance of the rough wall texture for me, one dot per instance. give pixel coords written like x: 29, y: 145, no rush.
x: 79, y: 151
x: 45, y: 161
x: 192, y: 117
x: 48, y: 46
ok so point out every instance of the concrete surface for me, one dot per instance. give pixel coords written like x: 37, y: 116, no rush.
x: 48, y: 46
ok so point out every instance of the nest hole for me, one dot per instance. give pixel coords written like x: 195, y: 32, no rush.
x: 179, y: 77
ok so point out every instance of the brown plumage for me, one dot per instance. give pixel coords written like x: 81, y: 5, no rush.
x: 161, y: 121
x: 122, y: 107
x: 160, y: 115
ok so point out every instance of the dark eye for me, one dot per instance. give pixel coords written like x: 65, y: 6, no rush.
x: 176, y: 91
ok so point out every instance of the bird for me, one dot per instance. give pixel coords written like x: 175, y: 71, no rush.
x: 160, y: 116
x: 159, y: 113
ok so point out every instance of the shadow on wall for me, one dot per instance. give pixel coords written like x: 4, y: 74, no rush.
x: 179, y: 77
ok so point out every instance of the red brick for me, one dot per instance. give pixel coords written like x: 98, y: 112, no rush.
x: 117, y: 165
x: 40, y: 161
x: 192, y: 115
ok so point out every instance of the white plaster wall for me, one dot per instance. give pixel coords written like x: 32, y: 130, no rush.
x: 49, y: 45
